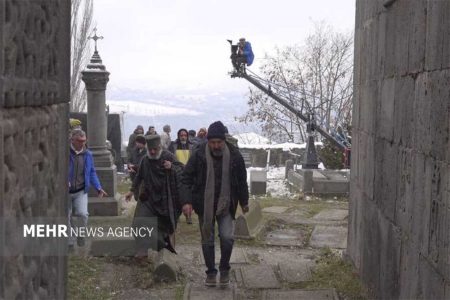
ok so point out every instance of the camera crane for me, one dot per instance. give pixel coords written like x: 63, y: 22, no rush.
x: 311, y: 126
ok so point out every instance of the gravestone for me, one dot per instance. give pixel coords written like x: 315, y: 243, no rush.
x: 249, y: 225
x: 258, y: 181
x: 95, y: 78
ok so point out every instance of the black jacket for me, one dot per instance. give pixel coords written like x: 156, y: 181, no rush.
x: 193, y: 180
x: 152, y: 182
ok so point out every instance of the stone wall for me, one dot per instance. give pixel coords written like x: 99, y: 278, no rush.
x: 34, y: 86
x: 399, y: 225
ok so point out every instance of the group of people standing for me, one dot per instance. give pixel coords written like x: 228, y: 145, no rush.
x: 201, y: 173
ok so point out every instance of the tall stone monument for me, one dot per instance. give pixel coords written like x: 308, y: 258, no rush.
x: 96, y: 78
x: 399, y: 220
x: 34, y: 144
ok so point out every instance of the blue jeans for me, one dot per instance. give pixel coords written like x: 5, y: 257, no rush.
x: 226, y: 235
x: 78, y: 212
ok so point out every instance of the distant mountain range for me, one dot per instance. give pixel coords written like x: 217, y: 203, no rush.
x: 190, y: 109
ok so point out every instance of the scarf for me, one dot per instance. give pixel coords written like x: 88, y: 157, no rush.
x: 223, y: 204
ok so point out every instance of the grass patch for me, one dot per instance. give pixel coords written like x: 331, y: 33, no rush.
x: 179, y: 292
x: 332, y: 272
x: 276, y: 201
x: 83, y: 279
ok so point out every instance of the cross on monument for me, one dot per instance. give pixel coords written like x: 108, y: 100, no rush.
x: 95, y: 38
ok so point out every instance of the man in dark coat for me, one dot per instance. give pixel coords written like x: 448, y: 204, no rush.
x: 139, y: 130
x: 136, y: 155
x: 157, y: 182
x: 215, y: 180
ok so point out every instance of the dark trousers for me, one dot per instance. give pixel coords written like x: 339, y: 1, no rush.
x: 145, y: 216
x: 226, y: 230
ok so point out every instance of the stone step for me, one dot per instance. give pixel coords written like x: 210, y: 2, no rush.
x: 275, y: 209
x: 329, y: 236
x: 259, y: 277
x: 285, y: 237
x: 296, y: 272
x: 238, y: 256
x: 332, y: 215
x: 328, y: 294
x: 198, y: 291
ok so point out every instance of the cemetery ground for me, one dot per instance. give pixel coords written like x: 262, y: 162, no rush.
x: 298, y: 254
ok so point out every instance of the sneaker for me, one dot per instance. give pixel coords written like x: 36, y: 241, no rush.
x: 224, y: 278
x: 210, y: 280
x: 81, y: 241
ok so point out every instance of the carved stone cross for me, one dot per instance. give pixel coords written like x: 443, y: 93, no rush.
x: 95, y: 38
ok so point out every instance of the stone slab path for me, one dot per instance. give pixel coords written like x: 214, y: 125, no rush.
x: 285, y: 237
x: 296, y: 272
x: 300, y: 295
x: 332, y: 215
x: 275, y: 209
x: 259, y: 277
x: 329, y: 236
x: 198, y: 291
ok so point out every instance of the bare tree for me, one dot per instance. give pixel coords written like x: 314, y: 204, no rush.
x: 316, y: 78
x: 81, y: 28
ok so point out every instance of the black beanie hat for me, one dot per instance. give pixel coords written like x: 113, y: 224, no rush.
x: 216, y: 131
x: 140, y: 138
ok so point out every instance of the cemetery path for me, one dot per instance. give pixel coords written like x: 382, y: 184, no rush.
x: 282, y: 262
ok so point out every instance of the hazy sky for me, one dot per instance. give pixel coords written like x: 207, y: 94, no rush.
x: 160, y: 44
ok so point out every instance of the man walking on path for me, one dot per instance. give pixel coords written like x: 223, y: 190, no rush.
x: 81, y: 176
x: 157, y: 183
x: 215, y: 179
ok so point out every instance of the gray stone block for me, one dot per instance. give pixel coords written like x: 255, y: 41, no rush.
x: 259, y: 277
x: 249, y: 225
x: 285, y: 237
x: 258, y: 188
x: 385, y: 117
x: 165, y: 267
x: 201, y: 292
x: 106, y: 206
x: 437, y: 12
x: 275, y: 209
x: 332, y: 215
x: 296, y: 272
x: 329, y: 294
x: 327, y: 236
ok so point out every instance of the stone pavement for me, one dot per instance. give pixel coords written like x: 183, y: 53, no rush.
x: 269, y: 268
